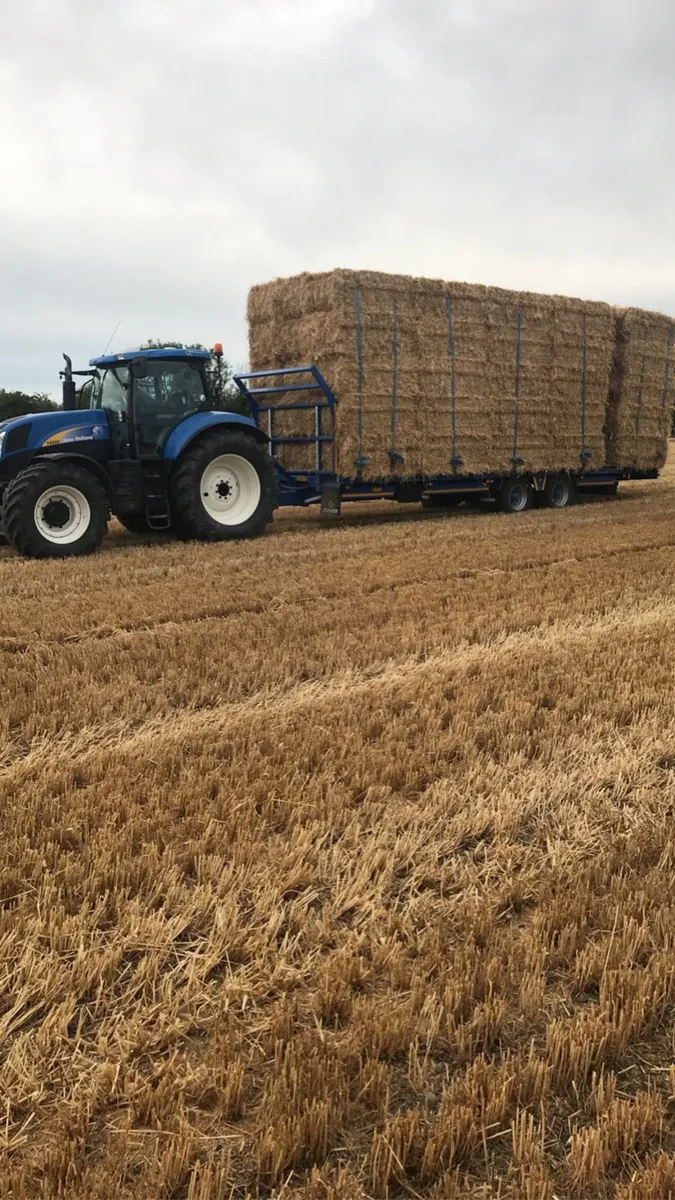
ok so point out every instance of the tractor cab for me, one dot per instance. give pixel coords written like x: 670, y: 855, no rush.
x: 145, y: 396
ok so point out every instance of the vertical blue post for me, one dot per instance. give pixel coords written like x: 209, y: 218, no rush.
x: 519, y: 326
x: 638, y: 415
x: 360, y: 461
x: 666, y: 379
x: 584, y: 355
x: 454, y: 459
x: 394, y: 370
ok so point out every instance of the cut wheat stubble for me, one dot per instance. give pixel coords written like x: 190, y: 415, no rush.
x: 388, y: 915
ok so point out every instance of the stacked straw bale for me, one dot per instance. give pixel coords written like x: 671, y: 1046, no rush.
x: 436, y: 378
x: 639, y: 410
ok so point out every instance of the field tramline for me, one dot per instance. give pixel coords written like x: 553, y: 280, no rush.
x: 338, y: 863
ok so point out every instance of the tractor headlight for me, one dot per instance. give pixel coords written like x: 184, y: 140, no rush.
x: 3, y: 435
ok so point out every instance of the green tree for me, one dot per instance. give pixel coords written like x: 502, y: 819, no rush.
x: 225, y: 395
x: 17, y: 404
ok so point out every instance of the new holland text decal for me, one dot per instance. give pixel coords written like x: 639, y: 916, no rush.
x: 77, y: 434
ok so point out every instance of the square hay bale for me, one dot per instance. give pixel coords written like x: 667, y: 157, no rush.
x: 639, y: 410
x: 433, y: 377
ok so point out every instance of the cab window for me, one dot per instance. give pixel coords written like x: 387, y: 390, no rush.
x: 111, y: 391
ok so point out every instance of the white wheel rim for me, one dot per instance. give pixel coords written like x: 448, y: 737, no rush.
x: 62, y: 515
x: 230, y: 489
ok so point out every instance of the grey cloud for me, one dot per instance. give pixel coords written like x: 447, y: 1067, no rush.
x: 159, y: 156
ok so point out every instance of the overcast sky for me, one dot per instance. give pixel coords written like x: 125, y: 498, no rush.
x: 157, y: 157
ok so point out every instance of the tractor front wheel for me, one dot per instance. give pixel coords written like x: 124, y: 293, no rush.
x: 55, y: 510
x: 223, y: 487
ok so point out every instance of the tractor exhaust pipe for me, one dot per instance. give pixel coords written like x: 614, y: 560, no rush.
x: 69, y: 388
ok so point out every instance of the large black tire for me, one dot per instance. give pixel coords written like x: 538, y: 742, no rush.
x: 559, y: 491
x: 515, y: 494
x: 55, y: 510
x: 224, y: 486
x: 447, y: 501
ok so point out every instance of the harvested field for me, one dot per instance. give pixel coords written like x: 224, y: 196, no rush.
x: 339, y: 863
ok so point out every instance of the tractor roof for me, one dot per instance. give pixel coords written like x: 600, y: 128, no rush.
x: 110, y: 360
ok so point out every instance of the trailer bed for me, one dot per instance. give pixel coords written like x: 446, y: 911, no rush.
x: 310, y: 391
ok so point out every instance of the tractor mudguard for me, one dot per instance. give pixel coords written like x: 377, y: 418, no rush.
x: 190, y: 428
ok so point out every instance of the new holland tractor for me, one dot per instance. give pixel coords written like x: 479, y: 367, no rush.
x: 149, y: 448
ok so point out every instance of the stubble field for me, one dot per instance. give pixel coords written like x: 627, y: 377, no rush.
x: 340, y: 863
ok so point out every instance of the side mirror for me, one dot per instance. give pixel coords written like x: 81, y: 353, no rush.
x: 139, y: 368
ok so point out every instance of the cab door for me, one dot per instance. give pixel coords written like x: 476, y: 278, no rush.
x: 111, y: 393
x: 168, y: 391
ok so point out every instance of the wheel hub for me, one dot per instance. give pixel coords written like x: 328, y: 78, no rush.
x: 56, y: 514
x: 62, y: 514
x: 221, y: 493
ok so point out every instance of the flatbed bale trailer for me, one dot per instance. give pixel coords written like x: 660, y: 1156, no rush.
x: 515, y: 492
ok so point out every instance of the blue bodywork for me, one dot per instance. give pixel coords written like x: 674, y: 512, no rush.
x: 196, y: 423
x: 128, y: 356
x: 59, y: 428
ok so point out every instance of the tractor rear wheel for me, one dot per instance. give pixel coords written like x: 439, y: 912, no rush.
x: 224, y: 486
x: 55, y: 510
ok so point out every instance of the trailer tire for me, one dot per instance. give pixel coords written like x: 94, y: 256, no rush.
x: 55, y: 510
x: 515, y: 494
x: 559, y: 492
x: 223, y: 487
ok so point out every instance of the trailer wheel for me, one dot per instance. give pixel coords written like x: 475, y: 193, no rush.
x: 223, y: 487
x: 441, y: 501
x: 559, y: 492
x: 55, y: 510
x: 514, y: 495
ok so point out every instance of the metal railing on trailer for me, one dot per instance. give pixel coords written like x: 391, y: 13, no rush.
x: 263, y: 412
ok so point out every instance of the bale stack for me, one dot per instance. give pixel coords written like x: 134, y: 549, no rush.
x: 639, y: 409
x: 435, y: 377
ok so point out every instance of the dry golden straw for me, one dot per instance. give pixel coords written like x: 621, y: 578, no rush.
x: 437, y: 378
x: 351, y: 876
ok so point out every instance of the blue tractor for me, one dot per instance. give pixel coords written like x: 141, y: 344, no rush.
x: 149, y: 448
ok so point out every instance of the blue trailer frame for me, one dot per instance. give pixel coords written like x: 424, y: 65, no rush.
x: 321, y: 485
